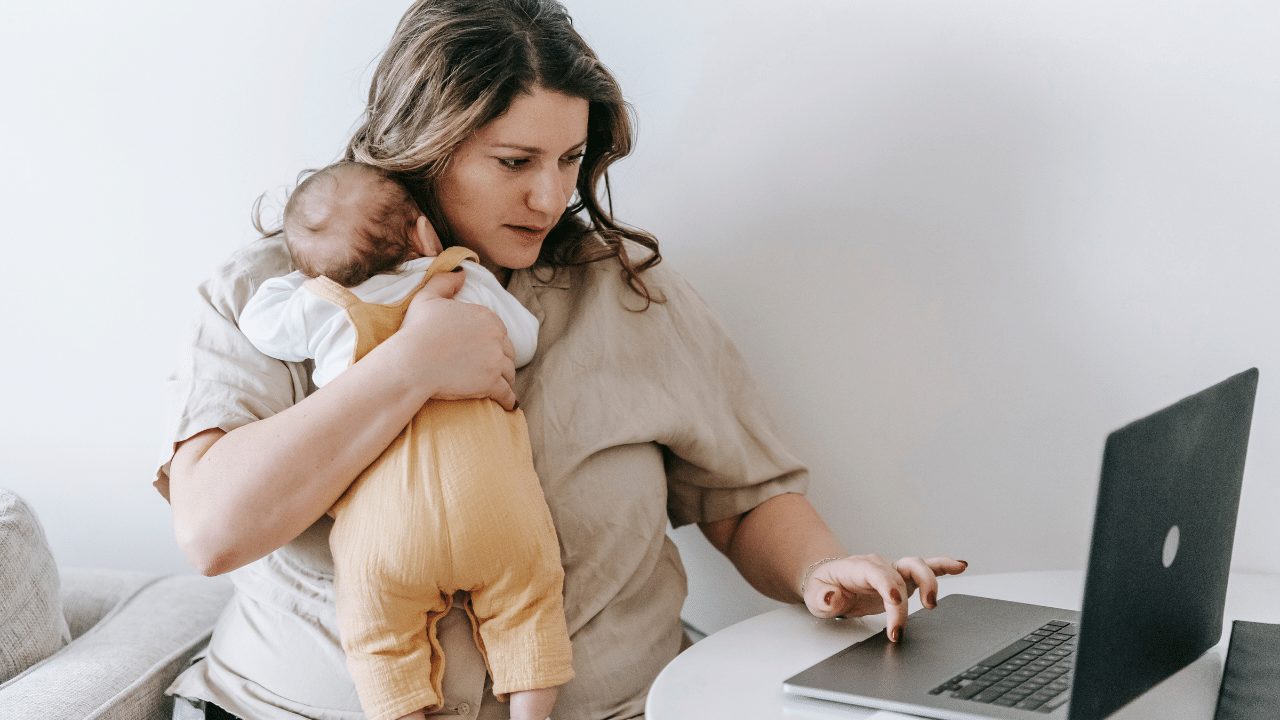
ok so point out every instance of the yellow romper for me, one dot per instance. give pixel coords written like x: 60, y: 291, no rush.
x: 452, y: 504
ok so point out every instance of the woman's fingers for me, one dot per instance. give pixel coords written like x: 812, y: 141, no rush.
x: 893, y: 592
x: 946, y: 565
x: 441, y: 285
x: 504, y: 392
x: 860, y: 585
x: 923, y: 574
x: 866, y: 585
x: 474, y: 356
x: 508, y: 399
x: 839, y: 587
x: 463, y: 347
x: 504, y: 395
x: 917, y: 573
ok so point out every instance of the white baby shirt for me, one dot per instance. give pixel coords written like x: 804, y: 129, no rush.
x: 288, y: 322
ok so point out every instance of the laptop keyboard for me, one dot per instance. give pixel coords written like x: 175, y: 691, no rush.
x: 1033, y: 673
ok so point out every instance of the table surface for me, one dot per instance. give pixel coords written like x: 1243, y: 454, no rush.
x: 738, y: 672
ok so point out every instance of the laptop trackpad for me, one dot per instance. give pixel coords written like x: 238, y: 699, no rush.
x: 936, y: 645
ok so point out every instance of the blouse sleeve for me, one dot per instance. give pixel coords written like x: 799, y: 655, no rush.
x: 275, y: 319
x: 725, y: 456
x: 223, y: 381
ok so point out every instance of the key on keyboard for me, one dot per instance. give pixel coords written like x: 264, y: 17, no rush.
x: 1033, y: 673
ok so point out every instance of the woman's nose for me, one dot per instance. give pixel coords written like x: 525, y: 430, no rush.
x: 547, y: 195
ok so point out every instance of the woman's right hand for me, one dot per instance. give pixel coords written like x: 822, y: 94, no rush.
x: 465, y: 346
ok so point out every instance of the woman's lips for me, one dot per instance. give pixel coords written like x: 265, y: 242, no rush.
x: 530, y: 233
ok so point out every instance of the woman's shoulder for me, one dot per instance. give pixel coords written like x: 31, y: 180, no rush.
x: 234, y: 282
x: 662, y: 280
x: 676, y: 321
x: 673, y: 305
x: 263, y: 258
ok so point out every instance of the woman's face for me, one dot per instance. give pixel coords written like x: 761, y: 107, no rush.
x: 508, y: 184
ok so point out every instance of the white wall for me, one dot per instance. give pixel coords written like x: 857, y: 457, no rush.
x: 958, y: 242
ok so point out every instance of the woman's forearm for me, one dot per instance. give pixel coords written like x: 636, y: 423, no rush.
x: 773, y: 544
x: 237, y: 496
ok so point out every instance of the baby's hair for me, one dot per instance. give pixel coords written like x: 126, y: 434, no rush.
x: 379, y: 239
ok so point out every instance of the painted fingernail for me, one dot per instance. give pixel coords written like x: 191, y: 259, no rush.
x: 895, y: 634
x: 963, y: 562
x: 895, y: 596
x: 933, y: 598
x: 826, y: 599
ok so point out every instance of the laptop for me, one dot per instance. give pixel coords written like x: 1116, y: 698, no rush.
x: 1153, y: 601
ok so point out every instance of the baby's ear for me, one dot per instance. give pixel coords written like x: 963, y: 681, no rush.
x: 428, y: 240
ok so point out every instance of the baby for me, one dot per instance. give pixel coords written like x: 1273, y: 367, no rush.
x: 461, y: 468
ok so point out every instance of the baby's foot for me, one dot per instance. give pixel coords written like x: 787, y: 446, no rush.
x: 533, y: 704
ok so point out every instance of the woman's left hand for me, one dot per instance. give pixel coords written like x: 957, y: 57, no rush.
x: 868, y: 584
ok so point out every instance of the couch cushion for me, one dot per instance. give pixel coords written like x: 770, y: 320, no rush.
x: 119, y: 668
x: 32, y: 626
x: 89, y: 594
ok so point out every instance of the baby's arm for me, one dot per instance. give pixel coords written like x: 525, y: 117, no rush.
x: 275, y: 320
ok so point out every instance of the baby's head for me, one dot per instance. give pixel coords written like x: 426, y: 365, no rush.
x: 350, y: 221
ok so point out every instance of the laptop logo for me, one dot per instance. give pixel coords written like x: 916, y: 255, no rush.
x: 1170, y: 546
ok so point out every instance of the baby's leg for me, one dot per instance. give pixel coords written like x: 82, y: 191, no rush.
x: 387, y: 610
x: 520, y: 621
x: 533, y: 704
x: 505, y: 553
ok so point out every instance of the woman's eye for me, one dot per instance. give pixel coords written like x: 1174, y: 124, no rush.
x: 513, y: 163
x: 572, y: 159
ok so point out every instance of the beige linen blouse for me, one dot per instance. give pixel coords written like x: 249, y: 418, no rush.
x: 635, y: 419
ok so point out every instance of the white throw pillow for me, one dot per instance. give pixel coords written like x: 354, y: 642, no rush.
x: 32, y: 626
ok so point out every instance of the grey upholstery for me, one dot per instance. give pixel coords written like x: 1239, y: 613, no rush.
x: 32, y: 625
x: 132, y: 634
x: 89, y: 594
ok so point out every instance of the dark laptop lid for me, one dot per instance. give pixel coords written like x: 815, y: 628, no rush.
x: 1162, y: 539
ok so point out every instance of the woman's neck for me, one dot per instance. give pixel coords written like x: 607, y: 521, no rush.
x: 503, y: 274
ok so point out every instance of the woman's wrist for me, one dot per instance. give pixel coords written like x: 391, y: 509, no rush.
x: 812, y: 568
x: 403, y: 364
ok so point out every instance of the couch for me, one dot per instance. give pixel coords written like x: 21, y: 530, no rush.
x: 96, y: 643
x: 118, y: 638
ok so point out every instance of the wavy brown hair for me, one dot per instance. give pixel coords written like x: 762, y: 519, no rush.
x: 454, y: 65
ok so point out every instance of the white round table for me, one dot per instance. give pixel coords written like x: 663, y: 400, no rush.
x: 737, y: 673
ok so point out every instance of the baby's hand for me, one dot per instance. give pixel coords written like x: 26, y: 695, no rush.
x: 428, y: 240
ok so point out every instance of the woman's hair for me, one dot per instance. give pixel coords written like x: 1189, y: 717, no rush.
x: 453, y: 66
x: 349, y: 245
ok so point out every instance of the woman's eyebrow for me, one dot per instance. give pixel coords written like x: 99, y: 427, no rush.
x: 533, y: 150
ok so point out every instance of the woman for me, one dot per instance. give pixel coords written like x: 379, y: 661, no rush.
x: 503, y: 122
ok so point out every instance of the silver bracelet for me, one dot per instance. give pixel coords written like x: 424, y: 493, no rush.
x: 808, y: 572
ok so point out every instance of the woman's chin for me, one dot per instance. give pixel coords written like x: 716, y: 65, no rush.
x: 519, y: 260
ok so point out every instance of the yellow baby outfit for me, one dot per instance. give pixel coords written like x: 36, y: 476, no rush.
x: 452, y: 504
